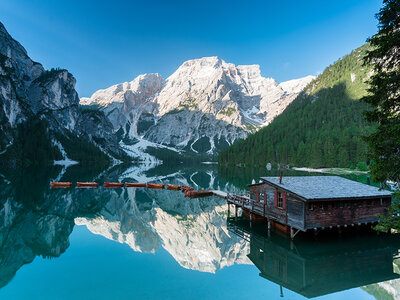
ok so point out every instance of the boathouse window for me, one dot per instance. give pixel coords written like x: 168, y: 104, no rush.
x: 280, y: 200
x: 341, y: 204
x: 261, y: 198
x: 310, y: 206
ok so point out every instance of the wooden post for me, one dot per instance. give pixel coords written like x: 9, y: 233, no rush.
x: 291, y: 232
x: 269, y: 227
x: 229, y: 211
x: 236, y: 212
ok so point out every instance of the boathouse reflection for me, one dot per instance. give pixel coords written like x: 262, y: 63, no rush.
x: 314, y: 268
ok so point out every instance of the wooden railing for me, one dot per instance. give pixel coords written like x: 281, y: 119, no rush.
x: 258, y: 208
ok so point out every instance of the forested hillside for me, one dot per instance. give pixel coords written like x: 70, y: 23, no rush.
x: 321, y: 128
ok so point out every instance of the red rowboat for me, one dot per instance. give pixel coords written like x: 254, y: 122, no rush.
x: 113, y: 184
x: 173, y: 187
x: 198, y: 194
x: 155, y: 186
x: 60, y: 184
x: 187, y: 188
x: 87, y: 184
x: 135, y: 184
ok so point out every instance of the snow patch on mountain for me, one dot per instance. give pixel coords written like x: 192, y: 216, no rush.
x: 204, y: 106
x: 66, y: 162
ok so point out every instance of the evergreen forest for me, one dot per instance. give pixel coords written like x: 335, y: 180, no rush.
x: 322, y: 127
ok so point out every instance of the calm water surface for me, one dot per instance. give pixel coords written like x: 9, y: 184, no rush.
x: 156, y: 244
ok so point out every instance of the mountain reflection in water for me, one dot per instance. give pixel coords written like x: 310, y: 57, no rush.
x: 38, y: 221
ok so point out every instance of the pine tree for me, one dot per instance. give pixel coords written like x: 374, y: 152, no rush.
x: 384, y: 94
x: 384, y: 98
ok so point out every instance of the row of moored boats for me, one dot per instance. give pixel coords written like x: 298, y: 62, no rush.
x: 188, y: 191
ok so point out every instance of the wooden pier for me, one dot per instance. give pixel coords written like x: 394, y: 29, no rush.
x: 256, y: 210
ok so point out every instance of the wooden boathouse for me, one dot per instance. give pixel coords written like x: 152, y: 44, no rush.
x: 302, y: 203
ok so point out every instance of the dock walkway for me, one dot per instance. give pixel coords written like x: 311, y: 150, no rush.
x: 263, y: 210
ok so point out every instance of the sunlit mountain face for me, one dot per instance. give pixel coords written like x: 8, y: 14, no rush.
x: 170, y: 233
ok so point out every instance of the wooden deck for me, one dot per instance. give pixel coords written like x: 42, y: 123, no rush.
x: 259, y: 209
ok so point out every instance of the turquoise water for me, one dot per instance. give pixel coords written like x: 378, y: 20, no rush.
x: 151, y: 244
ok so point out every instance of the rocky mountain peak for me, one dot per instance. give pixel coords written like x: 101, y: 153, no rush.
x: 29, y: 94
x: 249, y: 70
x: 134, y: 92
x: 205, y: 105
x: 296, y: 85
x: 14, y: 56
x: 210, y: 61
x: 10, y: 47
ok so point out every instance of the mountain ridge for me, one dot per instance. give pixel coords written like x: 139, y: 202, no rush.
x: 204, y: 106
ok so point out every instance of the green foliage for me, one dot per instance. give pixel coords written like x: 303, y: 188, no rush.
x: 171, y: 157
x: 30, y: 182
x: 320, y: 128
x: 202, y: 145
x: 392, y: 220
x: 32, y: 144
x: 189, y: 103
x: 251, y: 128
x: 144, y: 123
x: 93, y: 107
x: 384, y: 95
x: 349, y: 71
x: 81, y: 149
x: 362, y: 166
x: 47, y: 74
x: 384, y: 98
x: 220, y: 143
x: 228, y: 111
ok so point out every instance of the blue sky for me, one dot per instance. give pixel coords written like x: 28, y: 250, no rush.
x: 107, y: 42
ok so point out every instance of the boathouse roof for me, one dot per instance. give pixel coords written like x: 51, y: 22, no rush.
x: 326, y: 187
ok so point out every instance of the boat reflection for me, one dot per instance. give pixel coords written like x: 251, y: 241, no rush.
x: 36, y: 221
x: 315, y: 267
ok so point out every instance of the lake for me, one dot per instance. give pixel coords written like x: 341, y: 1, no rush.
x: 136, y: 243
